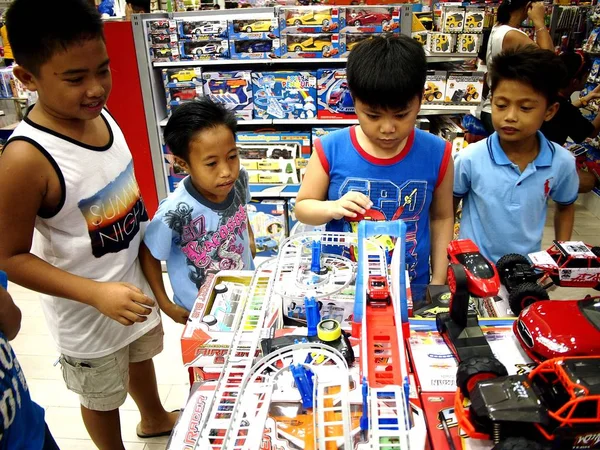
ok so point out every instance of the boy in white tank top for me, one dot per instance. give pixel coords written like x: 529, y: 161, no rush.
x: 72, y: 219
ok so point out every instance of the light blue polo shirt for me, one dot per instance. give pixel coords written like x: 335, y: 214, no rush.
x: 504, y: 210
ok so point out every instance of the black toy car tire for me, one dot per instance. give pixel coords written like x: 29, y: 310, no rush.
x: 596, y: 251
x: 508, y: 262
x: 519, y: 443
x: 524, y: 295
x: 440, y: 324
x: 477, y: 366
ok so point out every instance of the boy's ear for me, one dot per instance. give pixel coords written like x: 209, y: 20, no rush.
x: 25, y: 77
x: 181, y: 163
x: 551, y: 111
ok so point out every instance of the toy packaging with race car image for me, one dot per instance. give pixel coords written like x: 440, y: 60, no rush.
x: 333, y: 96
x: 232, y: 89
x: 370, y: 19
x: 310, y: 45
x: 181, y: 85
x: 350, y: 40
x: 435, y: 86
x: 202, y: 30
x: 255, y: 48
x: 308, y: 19
x: 464, y: 87
x: 162, y: 40
x: 256, y: 26
x: 180, y: 95
x: 468, y: 43
x: 211, y: 49
x: 165, y: 53
x: 268, y: 219
x: 284, y: 95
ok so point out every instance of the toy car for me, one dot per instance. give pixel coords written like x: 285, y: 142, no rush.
x: 432, y: 92
x: 183, y: 76
x: 454, y: 21
x: 378, y: 291
x: 209, y: 48
x: 183, y: 94
x: 368, y: 17
x: 310, y: 18
x: 544, y: 333
x: 471, y: 93
x: 441, y: 43
x: 259, y: 26
x: 281, y: 153
x: 474, y: 21
x: 335, y: 98
x: 265, y: 243
x: 467, y: 44
x: 163, y: 52
x: 159, y: 25
x: 481, y: 276
x: 253, y: 46
x: 558, y: 402
x: 160, y: 38
x: 312, y: 45
x: 208, y: 28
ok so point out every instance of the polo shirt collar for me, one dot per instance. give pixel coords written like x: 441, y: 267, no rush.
x: 544, y: 158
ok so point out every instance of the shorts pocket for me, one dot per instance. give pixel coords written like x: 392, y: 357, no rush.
x: 92, y: 378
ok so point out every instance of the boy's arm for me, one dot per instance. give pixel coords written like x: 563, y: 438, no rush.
x: 251, y: 238
x: 25, y: 179
x: 153, y: 272
x: 442, y: 225
x: 10, y: 315
x: 311, y: 206
x: 564, y: 218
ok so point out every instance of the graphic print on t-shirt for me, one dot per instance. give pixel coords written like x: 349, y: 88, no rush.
x: 390, y: 202
x: 209, y: 251
x: 114, y: 213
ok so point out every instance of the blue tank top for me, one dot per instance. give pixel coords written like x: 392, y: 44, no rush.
x: 400, y: 187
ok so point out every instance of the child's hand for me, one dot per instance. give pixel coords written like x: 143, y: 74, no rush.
x: 177, y: 313
x: 122, y: 302
x: 537, y: 13
x: 350, y: 205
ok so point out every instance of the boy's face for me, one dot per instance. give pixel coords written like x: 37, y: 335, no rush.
x: 213, y: 163
x: 387, y: 129
x: 75, y: 83
x: 518, y: 111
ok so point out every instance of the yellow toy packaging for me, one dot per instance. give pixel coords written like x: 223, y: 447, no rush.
x: 440, y: 42
x: 468, y: 43
x: 464, y: 87
x: 435, y: 86
x: 474, y: 18
x: 453, y: 19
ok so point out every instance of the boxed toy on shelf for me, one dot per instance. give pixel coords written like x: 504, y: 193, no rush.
x: 334, y: 100
x: 453, y: 19
x: 202, y: 30
x: 232, y: 89
x: 270, y: 163
x: 441, y: 42
x: 162, y: 40
x: 166, y: 53
x: 186, y: 77
x: 435, y: 86
x: 262, y: 26
x: 268, y: 219
x: 350, y: 40
x: 161, y: 26
x: 179, y: 95
x: 474, y: 18
x: 173, y: 171
x: 255, y: 48
x: 284, y: 95
x: 311, y: 45
x: 464, y: 87
x: 211, y: 49
x: 308, y: 19
x: 369, y: 19
x: 468, y: 43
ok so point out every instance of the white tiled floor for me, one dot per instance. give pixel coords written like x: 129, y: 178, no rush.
x: 37, y: 355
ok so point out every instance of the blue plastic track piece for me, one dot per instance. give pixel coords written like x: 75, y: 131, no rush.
x: 315, y: 263
x: 313, y: 316
x: 304, y: 382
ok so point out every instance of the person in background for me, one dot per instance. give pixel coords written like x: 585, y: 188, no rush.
x: 22, y: 424
x: 505, y: 181
x: 505, y: 34
x: 8, y: 54
x: 136, y: 7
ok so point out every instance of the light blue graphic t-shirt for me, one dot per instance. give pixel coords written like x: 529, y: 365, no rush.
x: 197, y: 237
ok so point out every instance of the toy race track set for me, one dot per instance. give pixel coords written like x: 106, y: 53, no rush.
x: 350, y: 374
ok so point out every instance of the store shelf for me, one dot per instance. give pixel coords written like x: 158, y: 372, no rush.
x: 274, y: 190
x: 448, y: 57
x: 163, y: 122
x: 430, y: 110
x: 237, y: 62
x: 314, y: 121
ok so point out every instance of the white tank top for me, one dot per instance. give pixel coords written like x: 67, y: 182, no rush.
x: 95, y: 233
x: 494, y: 47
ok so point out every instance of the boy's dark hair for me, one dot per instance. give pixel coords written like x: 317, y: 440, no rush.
x: 577, y: 64
x: 507, y: 7
x: 192, y: 118
x: 387, y: 72
x: 540, y: 69
x: 140, y: 5
x: 40, y: 28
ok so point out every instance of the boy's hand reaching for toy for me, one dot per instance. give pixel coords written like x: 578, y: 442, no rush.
x: 177, y: 313
x: 537, y: 13
x: 350, y: 205
x: 122, y: 302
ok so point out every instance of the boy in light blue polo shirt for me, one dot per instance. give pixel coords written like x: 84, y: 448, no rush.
x: 505, y: 180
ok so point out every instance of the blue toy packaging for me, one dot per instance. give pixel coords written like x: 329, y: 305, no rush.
x: 268, y: 219
x: 370, y: 19
x: 187, y: 77
x: 180, y: 95
x: 202, y: 30
x: 174, y: 172
x: 164, y: 53
x: 299, y: 138
x: 211, y: 49
x: 261, y: 48
x: 315, y: 45
x: 334, y: 99
x: 349, y: 40
x: 318, y: 132
x: 232, y: 89
x: 284, y: 95
x: 308, y: 19
x: 256, y: 26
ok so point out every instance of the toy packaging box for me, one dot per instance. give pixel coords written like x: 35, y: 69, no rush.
x: 180, y: 95
x: 308, y: 19
x: 270, y: 163
x: 310, y: 45
x: 262, y: 26
x: 162, y: 40
x: 284, y: 95
x: 232, y: 89
x: 181, y: 85
x: 453, y: 19
x: 202, y: 30
x: 281, y: 139
x: 211, y: 49
x: 268, y: 219
x: 441, y: 42
x: 318, y: 132
x: 292, y: 221
x: 369, y: 19
x: 435, y: 86
x: 349, y: 40
x: 161, y: 26
x: 464, y: 87
x: 174, y: 172
x: 165, y: 53
x: 468, y: 43
x: 333, y: 96
x: 255, y: 48
x: 474, y: 18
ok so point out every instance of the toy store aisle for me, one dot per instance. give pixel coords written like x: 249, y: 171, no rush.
x: 36, y: 352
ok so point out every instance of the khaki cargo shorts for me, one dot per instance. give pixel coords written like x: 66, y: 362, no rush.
x: 102, y: 382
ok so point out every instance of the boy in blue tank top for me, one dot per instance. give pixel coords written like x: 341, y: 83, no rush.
x: 384, y: 168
